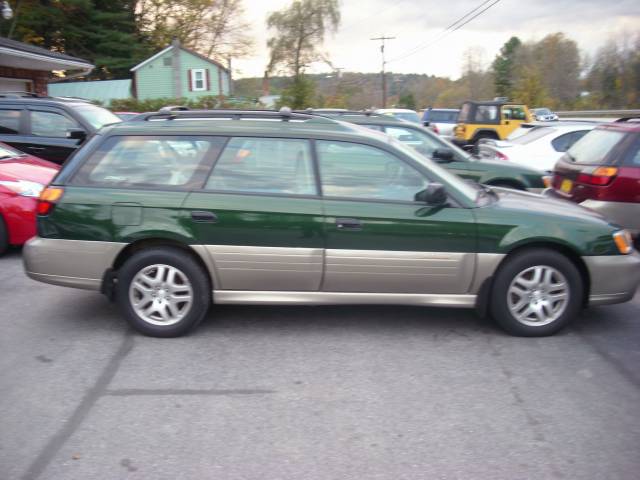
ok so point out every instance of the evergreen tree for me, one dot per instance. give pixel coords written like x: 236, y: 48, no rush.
x: 503, y: 75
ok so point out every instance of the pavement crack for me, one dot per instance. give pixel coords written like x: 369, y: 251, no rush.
x: 57, y: 441
x: 125, y: 392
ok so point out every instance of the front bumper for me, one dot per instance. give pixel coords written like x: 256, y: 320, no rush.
x: 69, y: 263
x: 20, y: 216
x: 614, y: 278
x: 625, y: 214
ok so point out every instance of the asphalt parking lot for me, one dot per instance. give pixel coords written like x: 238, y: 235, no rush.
x: 311, y: 393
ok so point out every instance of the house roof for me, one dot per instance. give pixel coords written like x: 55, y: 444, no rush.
x: 23, y: 55
x: 185, y: 49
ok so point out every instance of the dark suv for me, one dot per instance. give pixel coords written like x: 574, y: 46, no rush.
x: 168, y: 213
x: 601, y: 171
x: 49, y: 127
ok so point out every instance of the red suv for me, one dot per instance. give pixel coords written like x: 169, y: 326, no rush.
x: 601, y: 171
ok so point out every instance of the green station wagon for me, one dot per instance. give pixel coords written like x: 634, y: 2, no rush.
x: 172, y: 211
x: 498, y: 173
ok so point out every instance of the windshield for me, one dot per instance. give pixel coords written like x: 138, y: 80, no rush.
x: 521, y: 130
x: 423, y: 142
x: 594, y: 146
x: 442, y: 116
x: 409, y: 116
x: 542, y: 111
x: 6, y: 152
x: 96, y: 116
x: 532, y: 135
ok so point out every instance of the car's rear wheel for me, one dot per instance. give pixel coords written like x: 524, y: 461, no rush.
x: 536, y: 293
x: 4, y: 237
x: 163, y: 292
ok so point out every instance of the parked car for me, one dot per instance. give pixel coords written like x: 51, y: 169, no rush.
x: 441, y: 120
x: 602, y: 172
x: 124, y: 116
x: 401, y: 113
x: 544, y: 115
x: 539, y: 148
x: 49, y: 127
x: 489, y: 172
x: 494, y: 119
x: 289, y: 208
x: 22, y: 179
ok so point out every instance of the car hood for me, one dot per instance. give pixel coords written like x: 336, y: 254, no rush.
x: 531, y: 202
x: 504, y: 166
x: 28, y: 168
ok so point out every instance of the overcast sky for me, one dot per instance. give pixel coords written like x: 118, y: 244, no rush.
x: 417, y: 22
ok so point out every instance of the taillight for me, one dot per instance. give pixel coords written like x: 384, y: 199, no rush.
x: 48, y: 199
x: 500, y: 156
x: 601, y: 176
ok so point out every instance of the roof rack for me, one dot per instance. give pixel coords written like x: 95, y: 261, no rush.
x: 20, y: 94
x: 340, y: 112
x: 633, y: 118
x: 177, y: 112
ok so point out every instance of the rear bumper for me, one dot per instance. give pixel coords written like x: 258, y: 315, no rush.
x: 614, y: 278
x: 69, y: 263
x: 625, y: 214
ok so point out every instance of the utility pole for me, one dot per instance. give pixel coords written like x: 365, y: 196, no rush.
x: 384, y: 77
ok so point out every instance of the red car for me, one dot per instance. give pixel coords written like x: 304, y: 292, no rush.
x: 22, y: 178
x: 601, y: 171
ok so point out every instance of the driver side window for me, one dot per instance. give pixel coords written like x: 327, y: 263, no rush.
x: 359, y: 171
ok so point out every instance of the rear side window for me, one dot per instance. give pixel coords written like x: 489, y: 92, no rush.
x: 265, y: 165
x: 9, y: 121
x: 442, y: 116
x: 170, y: 161
x: 486, y: 114
x: 633, y: 157
x: 51, y: 124
x: 593, y: 148
x: 563, y: 142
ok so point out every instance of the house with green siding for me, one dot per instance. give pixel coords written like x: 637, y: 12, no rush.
x: 178, y: 72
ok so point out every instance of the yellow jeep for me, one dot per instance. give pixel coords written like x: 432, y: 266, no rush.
x: 495, y: 119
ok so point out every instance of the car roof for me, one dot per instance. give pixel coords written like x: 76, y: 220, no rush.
x: 624, y: 125
x: 493, y: 102
x: 29, y: 98
x: 395, y: 110
x: 432, y: 109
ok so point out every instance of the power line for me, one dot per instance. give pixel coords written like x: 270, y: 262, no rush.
x: 450, y: 29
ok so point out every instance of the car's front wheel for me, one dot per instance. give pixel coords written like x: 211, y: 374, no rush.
x: 536, y: 293
x: 4, y: 237
x: 163, y: 292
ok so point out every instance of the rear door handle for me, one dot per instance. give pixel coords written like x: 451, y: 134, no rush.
x: 36, y: 149
x: 348, y: 224
x: 204, y: 217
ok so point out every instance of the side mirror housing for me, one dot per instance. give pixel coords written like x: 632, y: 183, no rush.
x: 442, y: 155
x: 433, y: 195
x: 426, y: 123
x: 76, y: 134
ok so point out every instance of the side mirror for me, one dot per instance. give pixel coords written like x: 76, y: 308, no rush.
x: 426, y: 123
x: 442, y: 155
x: 433, y: 195
x: 76, y: 134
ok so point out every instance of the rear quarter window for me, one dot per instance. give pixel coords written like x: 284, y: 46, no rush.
x: 146, y: 161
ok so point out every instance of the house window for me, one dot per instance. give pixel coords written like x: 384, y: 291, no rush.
x: 198, y: 79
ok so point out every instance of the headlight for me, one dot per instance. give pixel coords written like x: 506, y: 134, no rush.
x: 23, y: 187
x: 623, y: 241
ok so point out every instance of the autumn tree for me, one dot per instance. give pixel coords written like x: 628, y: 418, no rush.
x: 299, y: 31
x: 214, y: 28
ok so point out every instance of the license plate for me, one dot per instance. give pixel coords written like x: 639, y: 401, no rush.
x: 566, y: 186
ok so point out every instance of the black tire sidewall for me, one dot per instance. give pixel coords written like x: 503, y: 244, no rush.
x: 4, y: 236
x: 200, y: 285
x: 516, y: 264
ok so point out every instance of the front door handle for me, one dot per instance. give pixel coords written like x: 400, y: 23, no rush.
x: 204, y: 217
x: 348, y: 224
x: 36, y: 149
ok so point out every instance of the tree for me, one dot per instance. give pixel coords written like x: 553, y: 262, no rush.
x: 407, y: 100
x: 299, y: 31
x: 214, y: 28
x: 502, y: 67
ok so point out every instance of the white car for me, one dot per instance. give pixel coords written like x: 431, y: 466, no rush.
x: 441, y: 120
x: 544, y: 115
x: 539, y: 147
x: 401, y: 113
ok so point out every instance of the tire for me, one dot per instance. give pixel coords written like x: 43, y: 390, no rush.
x: 152, y: 291
x: 537, y: 313
x: 4, y: 237
x: 507, y: 185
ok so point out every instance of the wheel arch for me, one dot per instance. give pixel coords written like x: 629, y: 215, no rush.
x: 112, y: 273
x: 512, y: 182
x: 484, y: 293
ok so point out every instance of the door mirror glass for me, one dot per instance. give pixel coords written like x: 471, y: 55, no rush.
x: 76, y: 134
x: 442, y: 155
x: 434, y: 195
